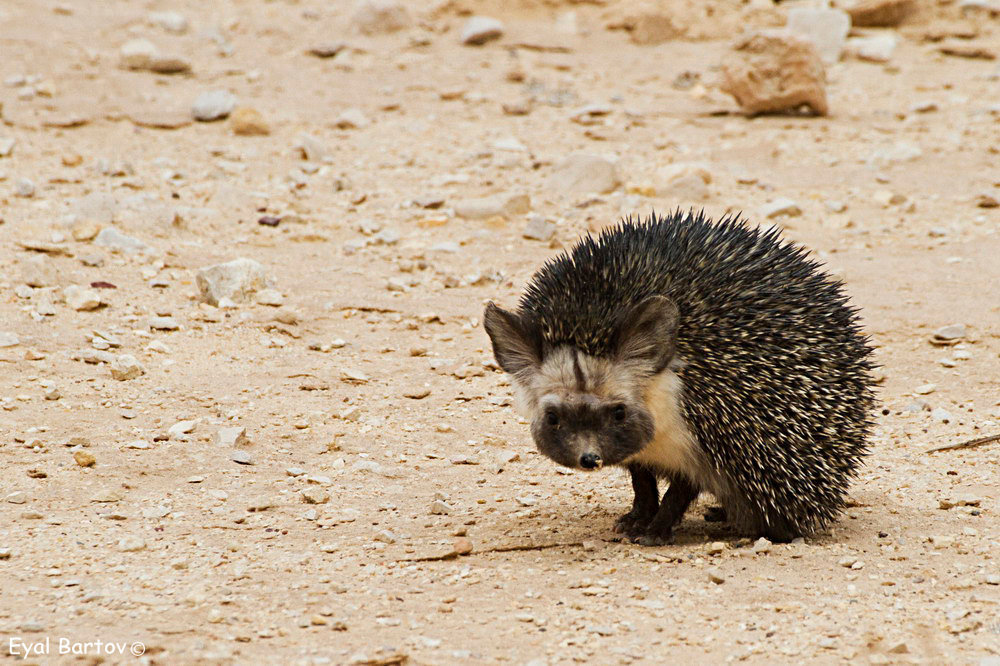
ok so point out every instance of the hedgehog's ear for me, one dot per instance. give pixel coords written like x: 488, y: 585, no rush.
x: 647, y: 333
x: 516, y: 346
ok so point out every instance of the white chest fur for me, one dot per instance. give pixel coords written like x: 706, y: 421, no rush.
x: 673, y: 448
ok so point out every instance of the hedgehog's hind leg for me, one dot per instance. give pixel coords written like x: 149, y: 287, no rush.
x: 675, y: 503
x: 644, y: 505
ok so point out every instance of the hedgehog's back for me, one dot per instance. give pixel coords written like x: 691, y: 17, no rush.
x: 775, y: 368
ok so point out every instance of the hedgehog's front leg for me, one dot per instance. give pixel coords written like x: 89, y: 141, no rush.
x: 675, y: 502
x: 644, y: 505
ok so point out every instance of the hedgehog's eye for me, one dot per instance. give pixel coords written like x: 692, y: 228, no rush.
x: 551, y: 417
x: 619, y: 413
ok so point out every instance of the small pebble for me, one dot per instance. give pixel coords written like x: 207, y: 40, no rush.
x: 241, y: 457
x: 84, y: 458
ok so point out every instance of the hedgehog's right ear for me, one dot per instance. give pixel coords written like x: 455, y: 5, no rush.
x: 516, y: 346
x: 647, y: 333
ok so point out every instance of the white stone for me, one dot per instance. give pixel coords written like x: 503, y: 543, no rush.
x: 582, y: 173
x: 24, y: 188
x: 505, y: 205
x: 81, y: 298
x: 826, y: 28
x: 126, y: 367
x: 539, y: 228
x: 9, y: 339
x: 877, y: 48
x: 213, y: 105
x: 270, y: 297
x: 112, y: 238
x: 170, y: 21
x: 232, y: 437
x: 481, y: 29
x: 138, y: 53
x: 236, y: 280
x: 373, y: 17
x: 684, y: 181
x: 780, y: 206
x: 352, y: 119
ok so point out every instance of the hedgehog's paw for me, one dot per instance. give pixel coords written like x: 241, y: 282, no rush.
x: 651, y: 538
x: 634, y: 523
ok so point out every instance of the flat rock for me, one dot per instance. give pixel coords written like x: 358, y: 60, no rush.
x: 373, y: 17
x: 246, y: 121
x: 213, y: 105
x: 874, y: 48
x: 582, y: 173
x: 174, y: 22
x: 110, y: 237
x: 236, y: 280
x: 8, y: 339
x: 232, y: 437
x: 241, y: 457
x: 775, y: 71
x: 481, y: 29
x: 950, y: 333
x: 826, y: 28
x: 126, y: 367
x: 539, y: 229
x: 163, y: 324
x: 161, y: 118
x: 81, y: 299
x: 684, y: 182
x: 502, y: 205
x: 352, y: 119
x: 137, y: 53
x: 880, y: 13
x: 780, y: 206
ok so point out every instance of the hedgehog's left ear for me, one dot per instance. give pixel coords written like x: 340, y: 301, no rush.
x: 647, y: 333
x: 516, y: 345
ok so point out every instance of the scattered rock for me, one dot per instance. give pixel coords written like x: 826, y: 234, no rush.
x: 373, y: 17
x: 163, y: 324
x: 826, y: 28
x: 270, y: 297
x: 131, y: 545
x: 84, y: 458
x: 137, y: 53
x: 314, y: 495
x: 481, y: 29
x: 684, y: 182
x: 774, y: 72
x: 539, y: 228
x: 715, y: 575
x: 246, y: 121
x: 582, y: 173
x: 213, y: 105
x: 327, y: 50
x: 880, y: 13
x: 461, y: 546
x: 126, y: 367
x: 232, y: 437
x: 502, y: 205
x: 81, y: 299
x: 949, y: 334
x: 241, y: 457
x: 117, y: 241
x: 170, y: 21
x: 352, y: 119
x: 761, y: 546
x: 440, y: 508
x: 652, y: 25
x: 875, y: 48
x: 236, y: 281
x: 385, y: 536
x: 8, y: 339
x: 780, y: 206
x: 181, y: 428
x: 24, y: 188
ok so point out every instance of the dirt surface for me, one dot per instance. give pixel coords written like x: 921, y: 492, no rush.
x: 202, y: 559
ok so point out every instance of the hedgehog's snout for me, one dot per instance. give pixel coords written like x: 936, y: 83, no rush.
x: 591, y: 461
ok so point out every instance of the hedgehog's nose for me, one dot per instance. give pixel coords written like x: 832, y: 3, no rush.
x: 590, y: 461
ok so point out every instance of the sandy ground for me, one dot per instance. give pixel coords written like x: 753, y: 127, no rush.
x: 203, y: 560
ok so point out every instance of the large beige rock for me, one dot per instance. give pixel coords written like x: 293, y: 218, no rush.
x: 235, y: 281
x: 880, y: 13
x: 774, y: 71
x: 581, y: 173
x: 372, y: 17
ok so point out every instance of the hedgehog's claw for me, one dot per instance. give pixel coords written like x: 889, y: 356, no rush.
x: 634, y: 523
x: 651, y: 539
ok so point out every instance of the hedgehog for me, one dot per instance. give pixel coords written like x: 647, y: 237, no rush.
x: 711, y: 355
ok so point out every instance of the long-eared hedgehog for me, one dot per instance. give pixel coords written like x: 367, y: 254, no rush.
x: 710, y: 354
